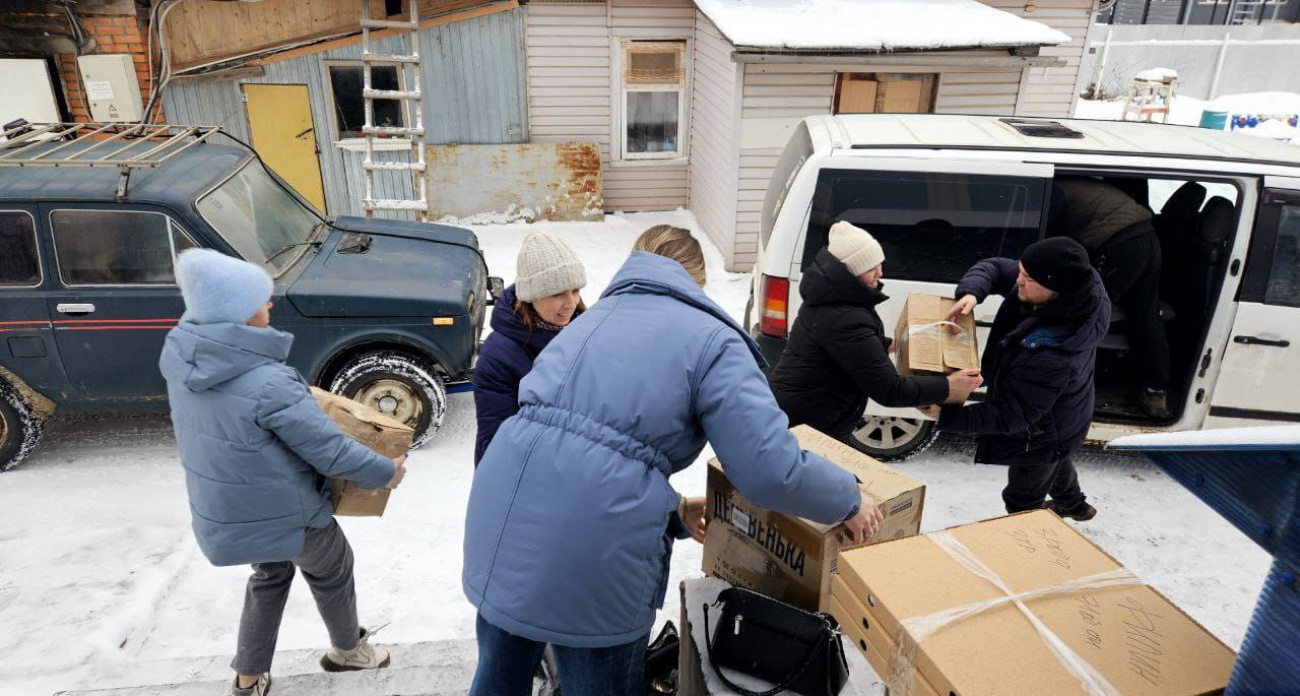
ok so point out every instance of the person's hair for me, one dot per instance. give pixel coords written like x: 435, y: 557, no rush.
x: 528, y: 313
x: 677, y: 244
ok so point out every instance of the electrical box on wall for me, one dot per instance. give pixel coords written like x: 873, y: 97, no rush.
x: 111, y: 87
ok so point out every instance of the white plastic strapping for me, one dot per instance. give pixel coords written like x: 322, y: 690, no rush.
x: 917, y: 629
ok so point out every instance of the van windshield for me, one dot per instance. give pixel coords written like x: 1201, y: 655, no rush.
x: 257, y: 217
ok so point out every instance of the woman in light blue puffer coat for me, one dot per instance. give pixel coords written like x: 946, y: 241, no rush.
x: 571, y: 519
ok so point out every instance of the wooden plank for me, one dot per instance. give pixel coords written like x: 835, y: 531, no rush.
x: 857, y: 96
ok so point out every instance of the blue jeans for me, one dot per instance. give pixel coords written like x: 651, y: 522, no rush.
x: 507, y: 663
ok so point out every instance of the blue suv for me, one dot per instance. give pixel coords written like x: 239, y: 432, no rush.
x: 387, y: 312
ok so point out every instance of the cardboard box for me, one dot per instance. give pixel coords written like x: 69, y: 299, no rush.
x: 791, y: 558
x: 372, y: 429
x: 867, y: 638
x: 927, y: 347
x: 1132, y: 635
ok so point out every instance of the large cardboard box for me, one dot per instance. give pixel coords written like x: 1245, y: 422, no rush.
x: 1135, y: 638
x: 791, y: 558
x: 372, y: 429
x: 926, y: 343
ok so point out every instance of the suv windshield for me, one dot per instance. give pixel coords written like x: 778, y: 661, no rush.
x: 257, y: 217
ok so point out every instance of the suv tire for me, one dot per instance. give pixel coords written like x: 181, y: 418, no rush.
x: 20, y: 428
x: 893, y: 439
x: 398, y: 385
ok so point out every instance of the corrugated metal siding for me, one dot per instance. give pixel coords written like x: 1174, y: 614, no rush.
x: 571, y: 84
x: 713, y: 175
x: 474, y: 92
x: 1051, y: 91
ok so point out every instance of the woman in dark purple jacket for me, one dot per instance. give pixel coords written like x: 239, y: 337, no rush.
x: 543, y: 300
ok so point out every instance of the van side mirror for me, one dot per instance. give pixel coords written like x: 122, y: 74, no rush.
x: 496, y: 287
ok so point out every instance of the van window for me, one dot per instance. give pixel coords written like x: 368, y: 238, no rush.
x: 933, y: 227
x: 1284, y: 277
x: 796, y: 153
x: 19, y: 264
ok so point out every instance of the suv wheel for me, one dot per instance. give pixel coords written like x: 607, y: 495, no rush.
x: 893, y: 439
x: 397, y: 385
x: 20, y: 428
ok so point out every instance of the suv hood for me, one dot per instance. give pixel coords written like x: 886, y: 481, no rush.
x: 411, y: 269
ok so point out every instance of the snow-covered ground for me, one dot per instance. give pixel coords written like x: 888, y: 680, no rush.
x: 1186, y: 111
x: 100, y: 578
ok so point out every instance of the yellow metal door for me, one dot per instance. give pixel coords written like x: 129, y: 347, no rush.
x: 279, y: 121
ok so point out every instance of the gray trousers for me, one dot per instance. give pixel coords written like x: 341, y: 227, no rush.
x: 326, y: 563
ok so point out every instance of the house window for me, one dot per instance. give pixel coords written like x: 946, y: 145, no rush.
x: 116, y: 247
x: 885, y: 93
x: 350, y: 110
x: 654, y: 99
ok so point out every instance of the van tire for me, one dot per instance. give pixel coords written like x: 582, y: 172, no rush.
x: 20, y: 428
x: 893, y: 439
x: 398, y: 384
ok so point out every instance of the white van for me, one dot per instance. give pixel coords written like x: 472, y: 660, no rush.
x: 941, y: 192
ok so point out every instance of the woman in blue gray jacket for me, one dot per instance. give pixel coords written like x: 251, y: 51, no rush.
x: 571, y: 518
x: 257, y: 450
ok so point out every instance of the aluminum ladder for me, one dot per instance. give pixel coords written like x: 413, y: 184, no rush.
x: 1247, y: 11
x: 412, y: 107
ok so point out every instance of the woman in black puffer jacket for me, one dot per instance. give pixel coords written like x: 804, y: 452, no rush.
x: 838, y: 354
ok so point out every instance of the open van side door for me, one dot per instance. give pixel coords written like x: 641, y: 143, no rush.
x: 1260, y: 377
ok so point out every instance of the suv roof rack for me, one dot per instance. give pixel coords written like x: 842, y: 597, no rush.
x: 1041, y: 128
x: 126, y: 146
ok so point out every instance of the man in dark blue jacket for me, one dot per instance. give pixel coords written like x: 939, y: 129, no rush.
x: 1038, y: 362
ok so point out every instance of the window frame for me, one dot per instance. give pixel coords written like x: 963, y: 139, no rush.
x: 172, y: 228
x: 620, y: 91
x: 40, y: 261
x: 398, y: 143
x: 1263, y: 248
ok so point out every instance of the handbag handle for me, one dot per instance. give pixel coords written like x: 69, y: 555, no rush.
x: 782, y: 686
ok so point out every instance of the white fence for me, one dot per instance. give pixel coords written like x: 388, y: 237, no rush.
x: 1210, y: 60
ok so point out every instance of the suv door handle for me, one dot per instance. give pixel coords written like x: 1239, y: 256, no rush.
x: 1256, y: 341
x: 76, y: 308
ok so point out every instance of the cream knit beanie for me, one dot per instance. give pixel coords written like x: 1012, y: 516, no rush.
x: 546, y: 266
x: 855, y: 247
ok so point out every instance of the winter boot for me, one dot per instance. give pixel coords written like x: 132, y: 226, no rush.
x: 1083, y: 513
x: 364, y: 656
x: 261, y: 687
x: 1153, y: 402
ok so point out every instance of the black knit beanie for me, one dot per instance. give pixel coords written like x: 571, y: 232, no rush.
x: 1059, y: 264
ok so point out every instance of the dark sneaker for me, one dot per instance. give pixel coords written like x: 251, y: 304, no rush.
x: 1153, y: 403
x: 261, y: 687
x: 1080, y: 514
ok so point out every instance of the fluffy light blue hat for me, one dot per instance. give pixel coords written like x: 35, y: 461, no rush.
x: 219, y: 288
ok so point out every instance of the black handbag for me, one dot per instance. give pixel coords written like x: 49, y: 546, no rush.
x: 794, y: 649
x: 661, y: 662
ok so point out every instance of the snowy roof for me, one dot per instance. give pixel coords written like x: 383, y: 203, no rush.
x: 873, y: 25
x: 1284, y: 437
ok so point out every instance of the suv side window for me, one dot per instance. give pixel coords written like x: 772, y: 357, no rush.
x: 116, y: 247
x: 20, y: 264
x: 932, y: 226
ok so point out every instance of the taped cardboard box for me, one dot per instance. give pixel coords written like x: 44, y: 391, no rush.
x: 373, y: 429
x: 791, y: 558
x: 1122, y: 631
x: 867, y: 638
x: 926, y: 343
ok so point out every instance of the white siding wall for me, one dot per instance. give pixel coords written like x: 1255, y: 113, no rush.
x: 714, y: 142
x: 793, y: 91
x: 1051, y: 91
x: 572, y: 85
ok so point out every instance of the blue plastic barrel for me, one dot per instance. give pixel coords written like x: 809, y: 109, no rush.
x: 1214, y: 119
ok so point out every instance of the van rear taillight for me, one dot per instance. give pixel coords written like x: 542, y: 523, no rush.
x: 776, y: 300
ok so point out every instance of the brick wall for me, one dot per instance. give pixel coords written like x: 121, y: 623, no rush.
x: 112, y: 34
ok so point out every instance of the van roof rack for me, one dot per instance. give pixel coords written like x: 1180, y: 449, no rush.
x: 126, y: 146
x: 1041, y: 129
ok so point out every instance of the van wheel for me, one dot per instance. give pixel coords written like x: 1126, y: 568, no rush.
x: 893, y: 439
x: 20, y: 428
x: 399, y: 386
